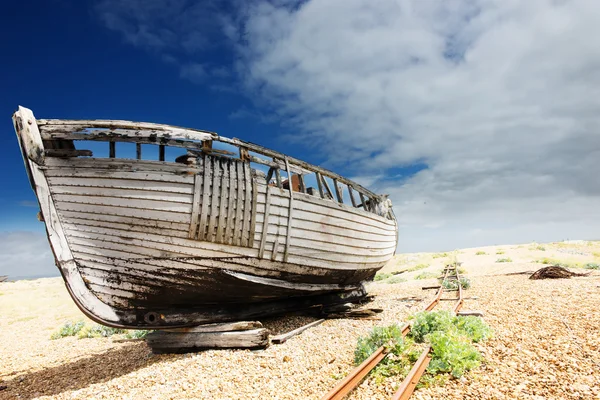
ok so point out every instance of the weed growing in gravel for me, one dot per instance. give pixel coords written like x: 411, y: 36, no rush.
x: 417, y: 267
x: 461, y: 270
x: 68, y: 329
x: 558, y: 263
x: 426, y: 275
x: 98, y: 331
x: 465, y: 283
x: 450, y: 337
x: 591, y: 266
x: 480, y: 253
x: 500, y: 252
x: 395, y: 279
x: 503, y: 260
x: 440, y: 255
x: 381, y: 276
x: 136, y: 334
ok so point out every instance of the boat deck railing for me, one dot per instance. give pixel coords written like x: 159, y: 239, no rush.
x: 59, y: 136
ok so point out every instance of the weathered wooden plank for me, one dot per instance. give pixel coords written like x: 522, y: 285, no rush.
x: 253, y: 213
x: 111, y: 149
x: 123, y: 165
x: 124, y: 193
x: 139, y: 224
x: 290, y: 212
x: 104, y: 173
x: 327, y: 188
x: 320, y: 184
x: 247, y: 205
x: 265, y: 225
x: 193, y: 232
x: 206, y: 190
x: 275, y: 248
x: 351, y: 194
x: 154, y: 215
x: 363, y: 201
x: 138, y: 151
x: 237, y: 239
x: 338, y: 192
x: 164, y: 342
x: 67, y: 153
x: 225, y: 191
x: 230, y: 226
x: 150, y: 186
x: 219, y: 327
x: 214, y: 206
x: 278, y: 179
x: 122, y: 202
x: 278, y: 339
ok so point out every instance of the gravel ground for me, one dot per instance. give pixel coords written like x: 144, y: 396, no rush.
x: 546, y: 343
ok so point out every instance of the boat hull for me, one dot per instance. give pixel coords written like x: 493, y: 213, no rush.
x: 154, y: 244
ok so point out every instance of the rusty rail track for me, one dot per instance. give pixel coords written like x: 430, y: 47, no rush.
x: 407, y: 387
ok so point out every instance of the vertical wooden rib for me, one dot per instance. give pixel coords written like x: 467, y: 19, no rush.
x: 247, y: 205
x: 269, y: 175
x: 237, y: 235
x: 290, y: 212
x: 111, y: 149
x: 320, y: 184
x: 138, y: 151
x: 275, y: 248
x: 214, y: 201
x: 161, y: 152
x: 253, y: 213
x: 265, y: 227
x: 278, y: 178
x: 230, y: 228
x: 207, y: 166
x: 351, y: 193
x: 329, y: 192
x: 362, y: 201
x: 338, y: 192
x: 222, y: 218
x: 195, y: 206
x: 301, y: 183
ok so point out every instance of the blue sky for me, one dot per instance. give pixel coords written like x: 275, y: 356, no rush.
x: 479, y: 118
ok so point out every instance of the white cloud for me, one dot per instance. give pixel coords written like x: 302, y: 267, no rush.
x: 26, y: 254
x: 496, y: 97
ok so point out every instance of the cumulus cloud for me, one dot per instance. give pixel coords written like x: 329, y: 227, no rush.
x: 25, y: 254
x: 496, y: 99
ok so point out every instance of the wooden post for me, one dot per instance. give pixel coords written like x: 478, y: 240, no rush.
x: 338, y: 192
x: 352, y: 199
x: 138, y: 151
x: 320, y: 184
x: 290, y: 211
x: 111, y: 149
x: 161, y: 152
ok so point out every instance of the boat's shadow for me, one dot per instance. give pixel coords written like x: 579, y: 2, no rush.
x: 79, y: 374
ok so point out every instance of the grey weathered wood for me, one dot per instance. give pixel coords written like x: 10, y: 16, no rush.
x: 466, y: 313
x: 327, y: 188
x: 195, y: 207
x: 216, y: 186
x: 320, y: 184
x: 351, y: 194
x: 275, y: 248
x: 363, y: 201
x: 278, y: 178
x: 67, y: 153
x: 290, y: 214
x: 338, y: 192
x: 253, y: 213
x: 278, y: 339
x: 220, y: 327
x: 225, y: 193
x: 138, y: 151
x: 263, y: 237
x: 247, y: 205
x: 111, y: 149
x: 207, y: 181
x: 167, y: 342
x: 239, y: 204
x: 161, y: 152
x: 301, y: 183
x: 230, y: 227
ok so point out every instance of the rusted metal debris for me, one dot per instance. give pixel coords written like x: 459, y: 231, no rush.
x: 554, y: 272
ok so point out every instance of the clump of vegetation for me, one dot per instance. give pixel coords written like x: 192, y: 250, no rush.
x: 68, y: 329
x: 98, y: 331
x: 461, y: 270
x: 465, y: 283
x: 557, y: 263
x: 426, y: 275
x: 388, y: 336
x: 136, y: 334
x: 591, y: 266
x: 440, y: 255
x: 380, y: 276
x: 395, y: 279
x: 500, y: 252
x: 596, y: 254
x: 417, y: 267
x: 480, y: 253
x: 504, y: 260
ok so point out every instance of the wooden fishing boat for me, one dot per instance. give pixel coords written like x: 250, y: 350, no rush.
x: 3, y: 278
x: 228, y: 230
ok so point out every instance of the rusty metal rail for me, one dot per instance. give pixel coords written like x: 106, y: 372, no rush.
x: 407, y: 387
